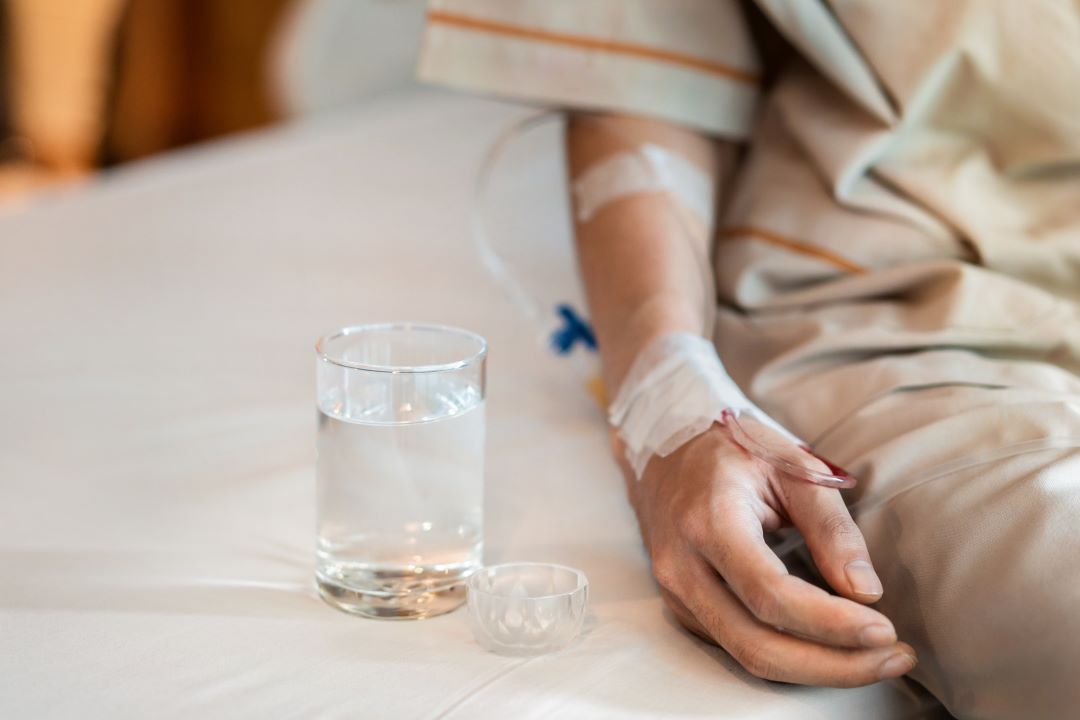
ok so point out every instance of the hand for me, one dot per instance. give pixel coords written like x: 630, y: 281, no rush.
x: 703, y: 510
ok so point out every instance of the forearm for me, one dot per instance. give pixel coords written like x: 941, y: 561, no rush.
x: 641, y: 256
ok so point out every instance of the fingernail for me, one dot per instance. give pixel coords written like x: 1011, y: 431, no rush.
x: 862, y: 578
x: 897, y: 665
x: 877, y: 635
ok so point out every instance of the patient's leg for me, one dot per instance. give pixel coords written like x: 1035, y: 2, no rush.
x: 978, y: 545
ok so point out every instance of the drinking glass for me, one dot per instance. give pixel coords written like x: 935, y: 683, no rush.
x: 400, y: 467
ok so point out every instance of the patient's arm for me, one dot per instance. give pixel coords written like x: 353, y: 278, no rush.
x: 642, y: 279
x: 703, y: 508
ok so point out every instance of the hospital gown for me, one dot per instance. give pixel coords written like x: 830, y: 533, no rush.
x: 897, y: 269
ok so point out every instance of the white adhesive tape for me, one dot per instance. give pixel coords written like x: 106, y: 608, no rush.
x: 651, y: 169
x: 675, y: 390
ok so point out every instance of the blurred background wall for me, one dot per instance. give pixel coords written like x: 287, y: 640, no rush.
x: 88, y: 84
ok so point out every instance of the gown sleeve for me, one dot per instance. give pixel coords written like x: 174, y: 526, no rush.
x: 691, y: 62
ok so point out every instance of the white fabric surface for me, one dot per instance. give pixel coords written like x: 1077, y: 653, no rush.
x: 330, y: 54
x: 156, y: 448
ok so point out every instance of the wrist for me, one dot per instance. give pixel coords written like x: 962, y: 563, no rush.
x: 675, y: 390
x: 656, y: 317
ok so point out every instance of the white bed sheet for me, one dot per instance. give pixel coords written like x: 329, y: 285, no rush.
x: 156, y: 448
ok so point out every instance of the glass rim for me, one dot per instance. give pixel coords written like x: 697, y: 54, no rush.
x: 478, y: 355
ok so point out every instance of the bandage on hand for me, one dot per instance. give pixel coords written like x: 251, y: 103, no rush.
x: 678, y: 388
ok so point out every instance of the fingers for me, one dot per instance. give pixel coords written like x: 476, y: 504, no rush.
x: 834, y: 540
x: 702, y: 511
x: 774, y: 655
x: 685, y: 616
x: 756, y: 575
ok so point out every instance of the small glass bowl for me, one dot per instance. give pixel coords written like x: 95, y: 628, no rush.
x: 527, y: 608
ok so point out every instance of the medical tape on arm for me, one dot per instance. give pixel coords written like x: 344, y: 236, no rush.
x: 675, y: 390
x: 650, y: 169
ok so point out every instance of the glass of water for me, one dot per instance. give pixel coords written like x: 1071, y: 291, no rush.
x: 400, y: 467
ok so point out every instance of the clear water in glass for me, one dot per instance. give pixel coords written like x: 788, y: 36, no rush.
x: 400, y: 498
